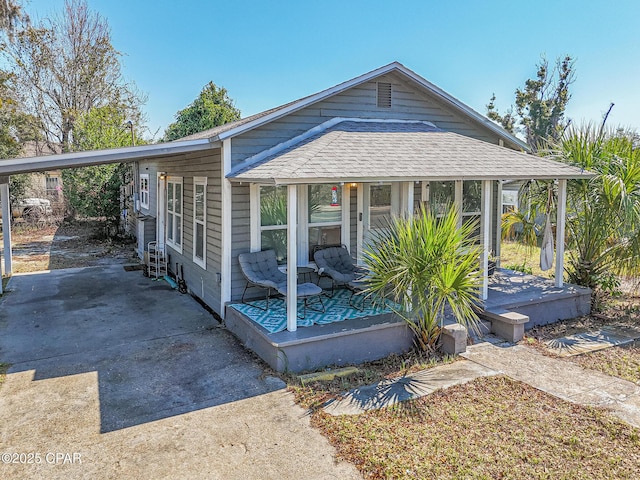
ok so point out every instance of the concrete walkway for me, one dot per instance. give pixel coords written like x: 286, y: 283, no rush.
x: 419, y: 384
x: 114, y: 375
x: 560, y: 378
x: 557, y: 377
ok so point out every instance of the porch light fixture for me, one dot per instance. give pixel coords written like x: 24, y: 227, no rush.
x: 354, y: 185
x: 163, y: 175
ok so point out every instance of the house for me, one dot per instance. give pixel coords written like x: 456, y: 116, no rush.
x: 336, y: 162
x: 48, y: 184
x: 373, y: 146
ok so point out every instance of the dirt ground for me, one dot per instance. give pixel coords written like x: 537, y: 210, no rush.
x: 54, y: 246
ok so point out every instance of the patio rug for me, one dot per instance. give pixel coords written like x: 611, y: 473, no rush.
x: 337, y: 309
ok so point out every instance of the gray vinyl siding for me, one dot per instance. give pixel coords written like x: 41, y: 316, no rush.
x: 200, y: 282
x: 150, y: 167
x: 354, y: 220
x: 408, y: 103
x: 241, y: 236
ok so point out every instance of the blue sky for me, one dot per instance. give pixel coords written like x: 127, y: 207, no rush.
x: 270, y: 52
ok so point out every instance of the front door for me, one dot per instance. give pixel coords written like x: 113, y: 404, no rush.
x: 377, y: 202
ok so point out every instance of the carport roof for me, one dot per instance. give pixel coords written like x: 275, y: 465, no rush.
x: 98, y: 157
x: 354, y: 150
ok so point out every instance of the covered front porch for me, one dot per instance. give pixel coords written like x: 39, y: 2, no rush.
x: 339, y: 183
x: 349, y: 336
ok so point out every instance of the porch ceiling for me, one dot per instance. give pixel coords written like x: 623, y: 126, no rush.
x: 364, y: 151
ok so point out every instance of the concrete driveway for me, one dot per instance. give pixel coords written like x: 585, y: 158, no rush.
x: 114, y: 375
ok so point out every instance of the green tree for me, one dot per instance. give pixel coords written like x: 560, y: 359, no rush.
x: 212, y: 107
x: 109, y: 126
x: 427, y: 265
x: 604, y: 212
x: 94, y: 191
x: 540, y: 106
x: 65, y: 66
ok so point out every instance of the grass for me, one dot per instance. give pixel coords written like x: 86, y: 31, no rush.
x: 3, y: 372
x: 490, y: 428
x: 623, y: 362
x: 313, y: 395
x: 512, y: 253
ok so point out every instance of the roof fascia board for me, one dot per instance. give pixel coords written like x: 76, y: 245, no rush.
x: 258, y: 157
x: 97, y: 157
x: 302, y: 181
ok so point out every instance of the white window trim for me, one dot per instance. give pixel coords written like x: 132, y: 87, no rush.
x: 202, y: 262
x: 171, y: 243
x: 257, y: 223
x: 144, y: 199
x: 303, y: 226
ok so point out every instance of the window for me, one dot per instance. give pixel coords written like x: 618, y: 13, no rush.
x: 144, y: 190
x: 379, y: 206
x: 509, y: 201
x: 324, y: 215
x: 200, y: 221
x: 472, y: 202
x: 273, y: 221
x: 52, y: 185
x: 442, y: 196
x: 174, y: 213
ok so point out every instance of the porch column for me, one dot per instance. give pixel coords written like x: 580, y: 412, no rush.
x: 485, y: 216
x: 6, y: 225
x: 226, y: 207
x: 498, y: 246
x: 408, y: 194
x: 560, y: 224
x: 292, y: 260
x: 346, y: 216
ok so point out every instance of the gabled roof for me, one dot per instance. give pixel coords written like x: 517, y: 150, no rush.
x: 357, y: 150
x: 238, y: 127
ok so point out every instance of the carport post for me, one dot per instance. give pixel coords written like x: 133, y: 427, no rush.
x: 6, y: 223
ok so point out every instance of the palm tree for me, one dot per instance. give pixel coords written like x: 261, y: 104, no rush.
x: 429, y: 266
x: 604, y: 212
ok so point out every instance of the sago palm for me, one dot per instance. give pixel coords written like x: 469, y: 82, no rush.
x: 429, y: 267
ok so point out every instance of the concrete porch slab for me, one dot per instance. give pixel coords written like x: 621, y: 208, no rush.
x: 307, y: 349
x: 536, y: 297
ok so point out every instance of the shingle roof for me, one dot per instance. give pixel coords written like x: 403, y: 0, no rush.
x: 253, y: 121
x: 356, y: 150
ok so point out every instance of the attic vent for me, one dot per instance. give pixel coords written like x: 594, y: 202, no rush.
x: 384, y: 95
